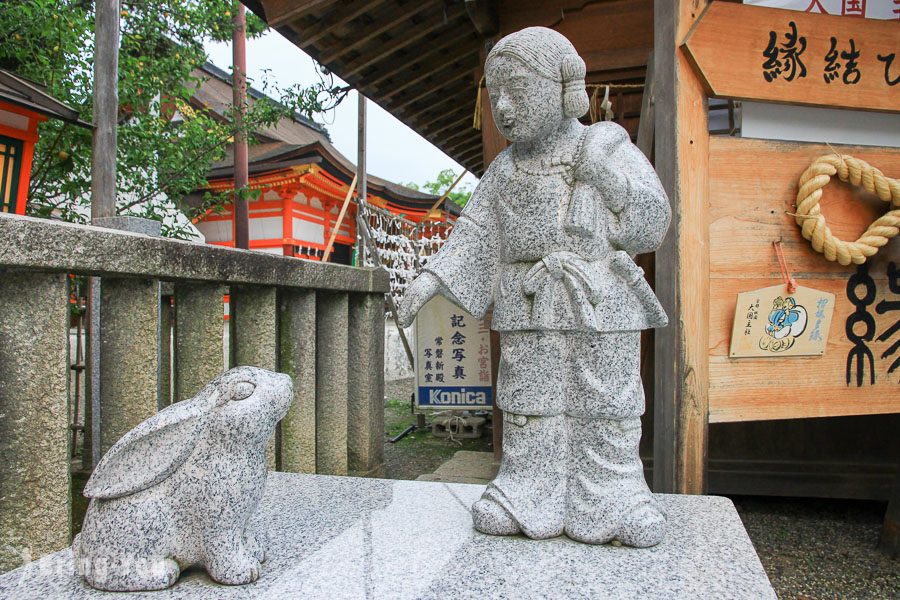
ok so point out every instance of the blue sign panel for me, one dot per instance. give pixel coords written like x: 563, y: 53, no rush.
x: 470, y: 398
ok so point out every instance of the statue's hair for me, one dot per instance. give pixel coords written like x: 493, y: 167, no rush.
x: 549, y: 54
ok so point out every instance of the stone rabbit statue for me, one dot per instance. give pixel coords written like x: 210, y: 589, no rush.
x: 179, y: 489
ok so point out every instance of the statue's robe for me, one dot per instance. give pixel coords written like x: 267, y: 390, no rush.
x: 551, y: 249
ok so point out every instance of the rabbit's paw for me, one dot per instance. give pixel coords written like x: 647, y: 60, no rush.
x: 235, y: 566
x: 131, y: 576
x: 254, y: 546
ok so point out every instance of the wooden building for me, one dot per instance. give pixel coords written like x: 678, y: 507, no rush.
x: 788, y: 426
x: 23, y: 105
x: 302, y: 181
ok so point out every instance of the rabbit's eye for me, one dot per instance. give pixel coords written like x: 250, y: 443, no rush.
x: 242, y: 390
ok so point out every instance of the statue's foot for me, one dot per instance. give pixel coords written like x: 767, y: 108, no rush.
x: 491, y: 518
x: 589, y: 529
x: 643, y: 527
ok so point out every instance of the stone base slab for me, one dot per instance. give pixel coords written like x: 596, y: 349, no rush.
x: 346, y: 537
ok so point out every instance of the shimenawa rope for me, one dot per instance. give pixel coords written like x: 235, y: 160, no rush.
x: 812, y: 222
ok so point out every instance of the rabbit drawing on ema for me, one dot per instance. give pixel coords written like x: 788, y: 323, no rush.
x: 180, y: 488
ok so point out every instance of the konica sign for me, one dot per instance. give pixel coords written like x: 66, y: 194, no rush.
x: 452, y: 355
x: 455, y: 397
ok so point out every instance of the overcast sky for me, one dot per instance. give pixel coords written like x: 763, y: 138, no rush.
x: 395, y: 151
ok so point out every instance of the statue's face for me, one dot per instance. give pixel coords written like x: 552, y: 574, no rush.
x: 525, y: 105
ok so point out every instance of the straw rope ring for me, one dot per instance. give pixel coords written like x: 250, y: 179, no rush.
x: 812, y: 221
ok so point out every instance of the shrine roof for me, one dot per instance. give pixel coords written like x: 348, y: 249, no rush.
x: 33, y: 96
x: 293, y: 142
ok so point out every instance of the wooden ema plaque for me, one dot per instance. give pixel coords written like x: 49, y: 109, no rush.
x: 775, y: 322
x: 752, y: 187
x: 773, y: 55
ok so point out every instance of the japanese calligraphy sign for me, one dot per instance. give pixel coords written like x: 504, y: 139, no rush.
x: 453, y: 358
x: 775, y: 323
x: 773, y: 55
x: 868, y: 9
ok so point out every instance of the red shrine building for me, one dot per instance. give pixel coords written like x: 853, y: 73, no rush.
x: 23, y: 105
x: 303, y: 180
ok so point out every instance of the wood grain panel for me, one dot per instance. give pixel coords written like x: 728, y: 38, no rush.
x: 752, y: 183
x: 728, y: 44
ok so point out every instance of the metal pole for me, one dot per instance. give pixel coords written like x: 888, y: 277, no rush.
x: 239, y: 100
x: 106, y: 108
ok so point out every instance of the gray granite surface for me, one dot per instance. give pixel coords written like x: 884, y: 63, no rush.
x: 344, y: 537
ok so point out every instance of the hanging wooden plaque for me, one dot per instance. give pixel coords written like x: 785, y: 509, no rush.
x: 775, y: 323
x: 773, y: 55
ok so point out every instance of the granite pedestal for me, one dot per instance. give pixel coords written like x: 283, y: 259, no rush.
x: 344, y: 537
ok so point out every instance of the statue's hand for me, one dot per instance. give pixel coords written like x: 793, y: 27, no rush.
x: 425, y: 287
x: 616, y: 194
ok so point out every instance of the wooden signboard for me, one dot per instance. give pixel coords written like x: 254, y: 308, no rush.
x: 773, y: 55
x: 752, y: 187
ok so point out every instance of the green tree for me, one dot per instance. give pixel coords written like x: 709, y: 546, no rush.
x: 460, y: 194
x: 159, y: 159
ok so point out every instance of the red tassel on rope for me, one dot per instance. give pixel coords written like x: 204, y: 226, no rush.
x: 789, y: 281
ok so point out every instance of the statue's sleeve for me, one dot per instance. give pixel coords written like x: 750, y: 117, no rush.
x: 467, y: 264
x: 629, y: 186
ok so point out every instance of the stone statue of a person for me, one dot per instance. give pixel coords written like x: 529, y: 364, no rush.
x: 547, y: 238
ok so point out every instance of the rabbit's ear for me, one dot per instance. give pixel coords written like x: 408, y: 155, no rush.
x: 153, y: 450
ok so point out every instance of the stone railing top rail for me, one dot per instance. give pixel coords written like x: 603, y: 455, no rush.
x: 45, y: 245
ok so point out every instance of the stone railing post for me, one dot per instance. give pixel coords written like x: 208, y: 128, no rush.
x: 331, y: 383
x: 34, y: 416
x: 365, y: 400
x: 298, y: 359
x: 254, y: 339
x: 125, y: 346
x: 199, y: 336
x: 129, y: 355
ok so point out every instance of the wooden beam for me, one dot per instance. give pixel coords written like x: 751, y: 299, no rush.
x: 462, y: 118
x: 483, y: 14
x: 374, y: 30
x: 472, y: 136
x: 418, y: 60
x: 340, y: 219
x: 468, y: 131
x: 106, y: 106
x: 426, y: 73
x: 462, y: 147
x: 461, y: 72
x: 889, y: 542
x: 680, y: 401
x: 339, y: 16
x: 471, y: 155
x: 279, y: 12
x: 412, y: 118
x: 403, y: 40
x: 619, y: 58
x: 440, y: 115
x: 646, y: 124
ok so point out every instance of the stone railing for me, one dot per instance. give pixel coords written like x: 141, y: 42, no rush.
x: 320, y: 323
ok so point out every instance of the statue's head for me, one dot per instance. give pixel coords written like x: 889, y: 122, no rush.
x: 535, y: 80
